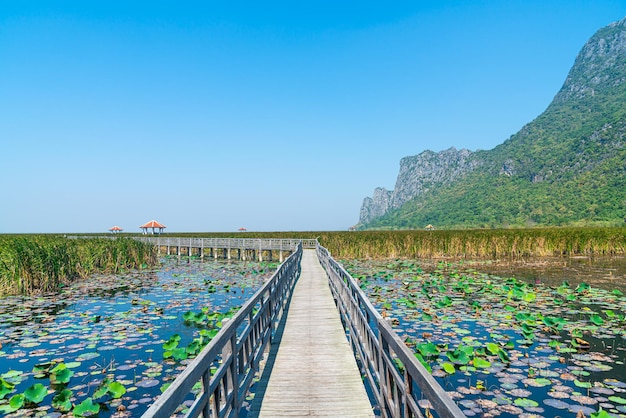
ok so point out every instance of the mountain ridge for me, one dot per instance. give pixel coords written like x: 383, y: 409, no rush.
x: 566, y: 167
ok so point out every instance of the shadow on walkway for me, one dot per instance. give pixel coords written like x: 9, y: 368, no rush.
x: 259, y: 388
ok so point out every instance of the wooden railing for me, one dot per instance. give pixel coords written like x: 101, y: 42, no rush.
x: 227, y: 366
x: 234, y: 243
x: 400, y: 391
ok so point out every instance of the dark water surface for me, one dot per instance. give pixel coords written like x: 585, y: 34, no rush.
x: 114, y: 327
x: 531, y: 338
x: 604, y: 272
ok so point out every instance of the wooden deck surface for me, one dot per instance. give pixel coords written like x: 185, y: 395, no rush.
x: 314, y: 372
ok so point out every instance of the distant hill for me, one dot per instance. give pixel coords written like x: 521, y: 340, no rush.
x: 566, y: 167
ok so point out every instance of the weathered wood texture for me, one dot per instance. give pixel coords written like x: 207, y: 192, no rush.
x: 407, y: 392
x: 228, y: 365
x: 315, y: 372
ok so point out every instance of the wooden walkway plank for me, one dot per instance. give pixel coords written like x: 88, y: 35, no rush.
x: 314, y: 373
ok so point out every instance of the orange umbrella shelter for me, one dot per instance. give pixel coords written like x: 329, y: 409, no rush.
x: 115, y: 229
x: 154, y: 225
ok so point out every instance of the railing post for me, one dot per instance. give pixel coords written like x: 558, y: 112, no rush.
x: 206, y: 380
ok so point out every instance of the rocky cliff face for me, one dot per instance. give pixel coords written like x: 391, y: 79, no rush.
x: 599, y: 65
x: 566, y: 167
x: 375, y: 206
x: 418, y: 174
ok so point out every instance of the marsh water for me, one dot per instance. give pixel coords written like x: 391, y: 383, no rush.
x: 114, y: 328
x: 605, y: 272
x: 528, y: 338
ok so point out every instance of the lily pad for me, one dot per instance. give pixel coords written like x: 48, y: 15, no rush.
x: 86, y: 408
x: 36, y: 393
x: 525, y: 402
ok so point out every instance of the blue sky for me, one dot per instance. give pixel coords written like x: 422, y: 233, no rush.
x: 274, y: 116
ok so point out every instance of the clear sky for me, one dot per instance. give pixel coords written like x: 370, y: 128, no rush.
x: 269, y: 115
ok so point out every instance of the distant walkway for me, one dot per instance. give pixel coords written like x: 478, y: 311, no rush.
x: 314, y: 372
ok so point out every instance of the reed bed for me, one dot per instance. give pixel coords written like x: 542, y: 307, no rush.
x: 461, y: 243
x: 31, y: 264
x: 479, y: 243
x: 42, y: 263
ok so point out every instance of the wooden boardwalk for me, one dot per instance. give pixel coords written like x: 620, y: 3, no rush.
x: 314, y: 372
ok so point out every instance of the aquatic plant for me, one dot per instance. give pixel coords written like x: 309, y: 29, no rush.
x: 103, y: 337
x: 503, y: 346
x: 40, y: 263
x: 475, y: 243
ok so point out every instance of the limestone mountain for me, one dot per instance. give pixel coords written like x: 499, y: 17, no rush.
x: 566, y: 167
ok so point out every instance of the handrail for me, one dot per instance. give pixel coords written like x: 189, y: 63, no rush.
x: 399, y: 393
x: 236, y: 351
x: 288, y: 244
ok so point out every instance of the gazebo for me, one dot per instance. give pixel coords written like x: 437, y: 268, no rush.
x: 154, y: 225
x: 115, y: 229
x: 242, y: 229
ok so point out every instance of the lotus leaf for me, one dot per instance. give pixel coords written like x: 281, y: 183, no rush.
x: 36, y: 393
x: 11, y: 374
x: 597, y: 319
x: 601, y: 414
x: 582, y: 384
x: 116, y: 389
x: 525, y: 403
x: 481, y: 363
x: 102, y: 389
x: 618, y: 399
x: 582, y: 287
x: 60, y: 374
x: 5, y: 388
x: 449, y: 368
x: 180, y: 354
x: 458, y: 357
x: 61, y: 400
x: 504, y: 357
x: 493, y: 348
x: 428, y: 350
x: 86, y: 407
x: 423, y: 362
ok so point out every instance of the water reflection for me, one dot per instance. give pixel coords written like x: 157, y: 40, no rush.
x: 604, y: 272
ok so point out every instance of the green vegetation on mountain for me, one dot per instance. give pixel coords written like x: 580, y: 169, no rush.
x: 567, y: 167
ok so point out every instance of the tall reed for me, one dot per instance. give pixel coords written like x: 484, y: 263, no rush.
x: 38, y: 263
x: 479, y: 243
x: 468, y: 243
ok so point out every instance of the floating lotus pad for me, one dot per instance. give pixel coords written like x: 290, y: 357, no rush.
x: 107, y: 325
x: 535, y: 336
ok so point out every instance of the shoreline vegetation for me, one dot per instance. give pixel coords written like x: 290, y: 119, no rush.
x: 31, y: 264
x: 35, y: 264
x: 457, y: 243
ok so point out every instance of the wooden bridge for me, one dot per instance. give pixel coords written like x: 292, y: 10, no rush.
x: 317, y: 347
x: 228, y: 248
